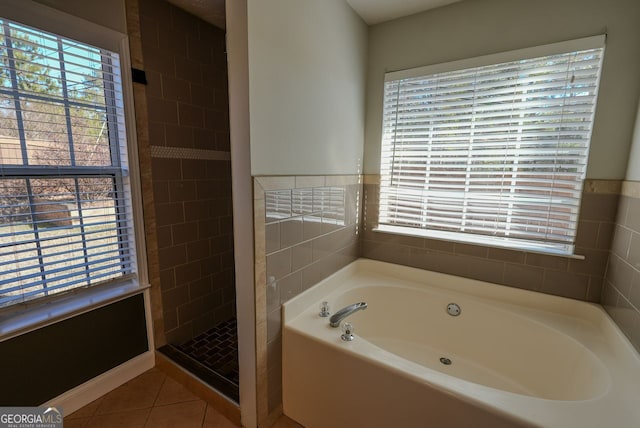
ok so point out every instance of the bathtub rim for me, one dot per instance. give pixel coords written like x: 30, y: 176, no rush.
x: 540, y: 319
x: 494, y: 400
x: 502, y: 293
x: 540, y: 302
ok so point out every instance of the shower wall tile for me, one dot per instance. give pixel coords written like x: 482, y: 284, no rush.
x: 273, y: 331
x: 634, y: 292
x: 621, y: 292
x: 621, y: 241
x: 599, y: 206
x: 290, y: 286
x: 574, y: 278
x: 301, y: 255
x: 521, y: 276
x: 634, y: 251
x: 291, y: 232
x: 190, y: 168
x: 306, y: 182
x: 565, y: 284
x: 516, y: 257
x: 275, y: 183
x: 311, y: 227
x: 470, y: 250
x: 595, y: 289
x: 605, y: 235
x: 302, y: 201
x: 277, y: 205
x: 272, y: 237
x: 632, y: 219
x: 589, y: 234
x: 278, y: 264
x: 545, y: 261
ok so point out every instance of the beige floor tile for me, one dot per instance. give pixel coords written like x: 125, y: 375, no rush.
x: 138, y: 393
x: 86, y: 411
x: 285, y: 422
x: 214, y: 419
x: 128, y: 419
x: 181, y: 415
x: 150, y: 400
x: 76, y: 423
x: 172, y: 392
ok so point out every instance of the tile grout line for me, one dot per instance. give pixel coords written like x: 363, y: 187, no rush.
x: 306, y: 241
x: 158, y: 392
x: 620, y: 294
x: 204, y: 415
x: 146, y: 421
x: 313, y: 261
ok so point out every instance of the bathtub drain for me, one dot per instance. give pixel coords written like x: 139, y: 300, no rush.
x: 445, y: 361
x: 453, y: 309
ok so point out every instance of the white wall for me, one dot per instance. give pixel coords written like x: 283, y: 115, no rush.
x: 238, y: 68
x: 307, y: 71
x: 479, y: 27
x: 633, y: 169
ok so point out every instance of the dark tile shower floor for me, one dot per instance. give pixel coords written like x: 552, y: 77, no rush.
x: 217, y: 349
x: 212, y: 356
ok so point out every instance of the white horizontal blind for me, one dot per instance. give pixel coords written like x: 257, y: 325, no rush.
x: 65, y: 210
x: 494, y: 154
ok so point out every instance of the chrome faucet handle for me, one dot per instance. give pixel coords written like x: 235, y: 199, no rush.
x: 324, y: 310
x: 347, y: 332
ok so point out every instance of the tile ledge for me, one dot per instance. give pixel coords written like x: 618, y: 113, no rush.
x: 631, y: 189
x: 285, y: 182
x: 371, y: 179
x: 170, y: 152
x: 602, y: 186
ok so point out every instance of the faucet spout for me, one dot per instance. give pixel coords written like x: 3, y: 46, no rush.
x: 336, y: 318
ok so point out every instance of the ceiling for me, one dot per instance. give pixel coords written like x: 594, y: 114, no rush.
x: 377, y: 11
x: 371, y: 11
x: 211, y: 11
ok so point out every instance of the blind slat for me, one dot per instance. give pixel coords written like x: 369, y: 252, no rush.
x: 499, y: 150
x: 65, y: 206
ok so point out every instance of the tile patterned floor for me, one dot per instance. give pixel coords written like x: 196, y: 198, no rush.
x: 150, y: 400
x: 153, y: 400
x: 217, y: 349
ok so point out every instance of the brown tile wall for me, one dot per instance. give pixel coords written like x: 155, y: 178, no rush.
x: 621, y: 291
x: 144, y: 159
x: 578, y: 279
x: 311, y: 230
x: 185, y: 65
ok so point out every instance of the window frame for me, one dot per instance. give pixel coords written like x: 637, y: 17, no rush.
x: 19, y: 318
x: 564, y: 47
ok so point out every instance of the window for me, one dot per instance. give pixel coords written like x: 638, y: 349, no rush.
x: 65, y: 205
x: 491, y: 150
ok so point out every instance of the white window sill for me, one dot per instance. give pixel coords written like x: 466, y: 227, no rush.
x: 475, y: 240
x: 22, y: 318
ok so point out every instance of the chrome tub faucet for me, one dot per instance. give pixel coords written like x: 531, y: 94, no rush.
x: 336, y: 318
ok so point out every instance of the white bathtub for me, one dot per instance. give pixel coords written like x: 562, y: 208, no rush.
x: 518, y: 358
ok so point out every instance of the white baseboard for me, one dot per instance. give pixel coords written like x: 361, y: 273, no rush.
x: 95, y: 388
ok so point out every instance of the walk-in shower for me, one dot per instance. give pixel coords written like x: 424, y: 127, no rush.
x: 188, y: 123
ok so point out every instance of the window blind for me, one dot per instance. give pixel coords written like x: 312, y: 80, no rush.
x: 495, y: 153
x: 65, y: 207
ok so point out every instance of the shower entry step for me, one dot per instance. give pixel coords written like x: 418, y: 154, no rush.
x: 212, y: 356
